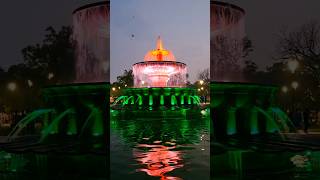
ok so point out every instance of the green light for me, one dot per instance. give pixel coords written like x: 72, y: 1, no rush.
x: 119, y: 100
x: 231, y: 121
x: 140, y: 100
x: 161, y: 100
x: 54, y: 126
x: 127, y: 100
x: 182, y: 99
x: 271, y: 125
x: 97, y: 128
x: 254, y: 122
x: 30, y: 118
x: 189, y: 99
x: 72, y: 126
x: 150, y: 100
x: 173, y: 100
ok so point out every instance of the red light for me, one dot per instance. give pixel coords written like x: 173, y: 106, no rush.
x: 159, y: 160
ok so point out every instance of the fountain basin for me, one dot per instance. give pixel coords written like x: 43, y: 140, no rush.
x: 156, y: 98
x: 85, y: 106
x: 245, y: 109
x: 159, y: 74
x: 158, y: 102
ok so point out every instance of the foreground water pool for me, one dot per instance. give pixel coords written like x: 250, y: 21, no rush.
x: 160, y: 149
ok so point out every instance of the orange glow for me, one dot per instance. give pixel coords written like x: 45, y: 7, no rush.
x: 159, y: 43
x: 159, y: 160
x: 160, y: 69
x: 159, y: 54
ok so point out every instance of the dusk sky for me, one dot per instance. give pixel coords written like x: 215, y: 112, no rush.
x: 182, y: 24
x: 23, y: 23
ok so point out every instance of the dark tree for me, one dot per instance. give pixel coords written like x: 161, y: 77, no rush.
x: 203, y: 85
x: 227, y: 56
x: 123, y: 81
x: 204, y: 75
x: 55, y: 56
x: 126, y: 79
x: 302, y: 45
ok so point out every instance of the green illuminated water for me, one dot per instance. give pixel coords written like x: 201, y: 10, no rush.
x: 27, y: 120
x: 150, y: 148
x: 153, y: 98
x: 167, y: 139
x: 53, y: 128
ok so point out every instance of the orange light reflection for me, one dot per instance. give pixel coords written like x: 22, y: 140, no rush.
x: 158, y: 160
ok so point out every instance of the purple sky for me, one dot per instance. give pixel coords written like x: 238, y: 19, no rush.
x: 182, y: 24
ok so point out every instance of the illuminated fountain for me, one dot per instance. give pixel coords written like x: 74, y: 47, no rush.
x: 159, y: 118
x: 227, y: 30
x: 74, y: 117
x: 247, y: 129
x: 159, y: 84
x: 238, y: 108
x: 79, y: 109
x: 159, y: 69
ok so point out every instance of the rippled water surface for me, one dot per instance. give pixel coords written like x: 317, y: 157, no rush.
x: 160, y: 149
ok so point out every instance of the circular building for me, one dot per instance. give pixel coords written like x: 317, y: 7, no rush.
x: 92, y: 39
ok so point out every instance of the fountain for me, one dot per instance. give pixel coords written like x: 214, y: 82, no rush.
x: 159, y: 88
x: 161, y: 120
x: 246, y: 109
x: 73, y: 124
x: 227, y: 30
x: 79, y: 109
x: 92, y: 38
x: 247, y: 133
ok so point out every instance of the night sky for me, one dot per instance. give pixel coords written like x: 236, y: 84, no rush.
x: 24, y: 22
x: 265, y: 18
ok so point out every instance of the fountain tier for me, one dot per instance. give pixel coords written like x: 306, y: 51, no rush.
x: 245, y: 109
x: 159, y: 69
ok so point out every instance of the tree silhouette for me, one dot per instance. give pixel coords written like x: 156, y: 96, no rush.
x: 303, y: 45
x: 54, y: 55
x: 126, y: 79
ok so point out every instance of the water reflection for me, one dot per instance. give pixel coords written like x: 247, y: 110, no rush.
x: 165, y: 149
x: 157, y: 160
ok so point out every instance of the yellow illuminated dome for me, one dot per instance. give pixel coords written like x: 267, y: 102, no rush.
x: 159, y: 69
x: 159, y: 54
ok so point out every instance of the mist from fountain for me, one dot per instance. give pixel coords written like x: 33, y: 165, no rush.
x: 227, y: 31
x: 91, y: 36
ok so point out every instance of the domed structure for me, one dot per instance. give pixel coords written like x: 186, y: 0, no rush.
x: 159, y: 69
x: 159, y: 54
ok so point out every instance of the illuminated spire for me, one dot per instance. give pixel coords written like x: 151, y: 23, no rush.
x: 159, y: 54
x: 159, y: 43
